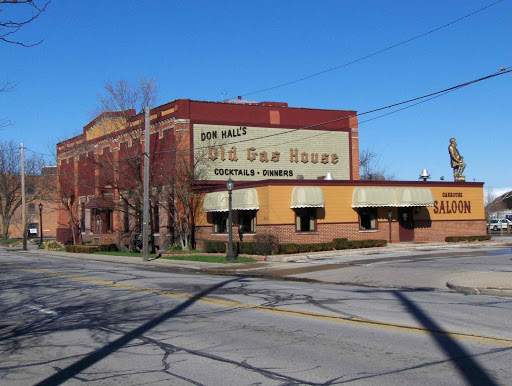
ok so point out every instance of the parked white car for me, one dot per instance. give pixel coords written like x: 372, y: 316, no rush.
x: 504, y: 223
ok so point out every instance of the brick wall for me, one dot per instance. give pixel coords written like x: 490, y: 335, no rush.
x: 441, y: 229
x: 354, y: 156
x: 424, y: 231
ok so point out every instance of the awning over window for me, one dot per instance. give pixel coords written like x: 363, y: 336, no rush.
x: 391, y: 197
x: 216, y: 202
x: 307, y: 197
x: 100, y: 203
x: 243, y: 199
x: 417, y: 197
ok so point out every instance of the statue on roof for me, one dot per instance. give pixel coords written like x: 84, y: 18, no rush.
x: 457, y: 161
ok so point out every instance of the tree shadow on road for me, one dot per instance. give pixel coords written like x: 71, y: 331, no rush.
x: 472, y: 372
x: 56, y: 322
x: 468, y: 367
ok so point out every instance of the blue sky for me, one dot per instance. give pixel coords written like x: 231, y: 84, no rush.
x: 199, y: 49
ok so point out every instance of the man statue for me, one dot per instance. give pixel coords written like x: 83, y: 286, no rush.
x: 456, y: 161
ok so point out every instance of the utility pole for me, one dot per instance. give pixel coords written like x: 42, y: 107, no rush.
x: 23, y: 208
x: 145, y: 208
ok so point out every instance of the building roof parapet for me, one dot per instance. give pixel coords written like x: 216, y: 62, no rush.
x: 219, y: 185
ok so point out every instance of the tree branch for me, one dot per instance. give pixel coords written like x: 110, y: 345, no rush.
x: 11, y: 27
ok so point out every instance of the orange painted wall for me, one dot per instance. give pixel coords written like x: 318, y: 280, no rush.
x: 472, y: 196
x: 275, y: 200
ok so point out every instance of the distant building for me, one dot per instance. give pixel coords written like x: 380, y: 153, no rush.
x: 279, y: 158
x: 37, y: 194
x: 501, y: 207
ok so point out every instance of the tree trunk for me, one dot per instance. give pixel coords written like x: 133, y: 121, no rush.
x: 72, y: 223
x: 5, y: 226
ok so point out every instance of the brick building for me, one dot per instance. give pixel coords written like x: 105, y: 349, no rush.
x: 278, y: 157
x: 41, y: 206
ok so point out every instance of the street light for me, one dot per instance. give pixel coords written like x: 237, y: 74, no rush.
x: 230, y: 185
x: 41, y: 223
x: 390, y: 214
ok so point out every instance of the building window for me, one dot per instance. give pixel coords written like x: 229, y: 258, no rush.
x: 368, y: 218
x: 31, y: 209
x: 82, y: 217
x: 220, y: 222
x: 96, y: 221
x: 305, y: 219
x: 109, y: 217
x: 126, y: 218
x: 31, y: 190
x: 156, y: 219
x: 102, y: 220
x: 247, y: 221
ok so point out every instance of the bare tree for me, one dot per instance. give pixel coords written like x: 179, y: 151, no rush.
x: 181, y: 191
x: 122, y: 104
x: 370, y: 168
x: 4, y: 122
x: 67, y: 200
x: 175, y: 167
x: 16, y: 14
x: 130, y: 98
x: 493, y: 204
x: 10, y: 182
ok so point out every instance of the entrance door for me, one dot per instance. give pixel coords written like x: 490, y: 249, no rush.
x: 97, y: 221
x: 406, y: 224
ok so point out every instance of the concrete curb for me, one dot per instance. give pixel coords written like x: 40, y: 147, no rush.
x: 386, y: 249
x: 479, y: 291
x: 474, y: 283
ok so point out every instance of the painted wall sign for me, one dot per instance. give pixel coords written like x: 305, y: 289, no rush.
x: 252, y: 153
x: 452, y: 206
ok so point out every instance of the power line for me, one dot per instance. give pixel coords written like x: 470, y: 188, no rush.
x: 418, y: 100
x: 367, y: 120
x: 36, y: 152
x: 372, y: 54
x: 503, y: 71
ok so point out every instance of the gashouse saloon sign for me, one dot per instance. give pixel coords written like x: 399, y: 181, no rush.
x: 252, y: 153
x: 452, y: 203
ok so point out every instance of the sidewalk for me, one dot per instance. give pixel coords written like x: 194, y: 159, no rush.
x: 360, y: 267
x: 346, y: 267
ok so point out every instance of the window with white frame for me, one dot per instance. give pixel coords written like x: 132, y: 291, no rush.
x: 247, y: 221
x: 305, y: 219
x: 367, y: 218
x: 220, y: 222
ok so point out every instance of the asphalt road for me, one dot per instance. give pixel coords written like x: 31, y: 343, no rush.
x: 426, y: 269
x: 71, y: 321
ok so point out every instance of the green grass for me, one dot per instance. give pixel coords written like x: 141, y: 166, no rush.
x: 9, y: 241
x: 183, y: 252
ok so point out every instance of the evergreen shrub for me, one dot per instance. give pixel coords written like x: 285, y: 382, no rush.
x: 211, y: 246
x: 246, y: 247
x: 107, y: 248
x: 288, y: 248
x: 454, y: 239
x: 340, y: 243
x: 81, y: 248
